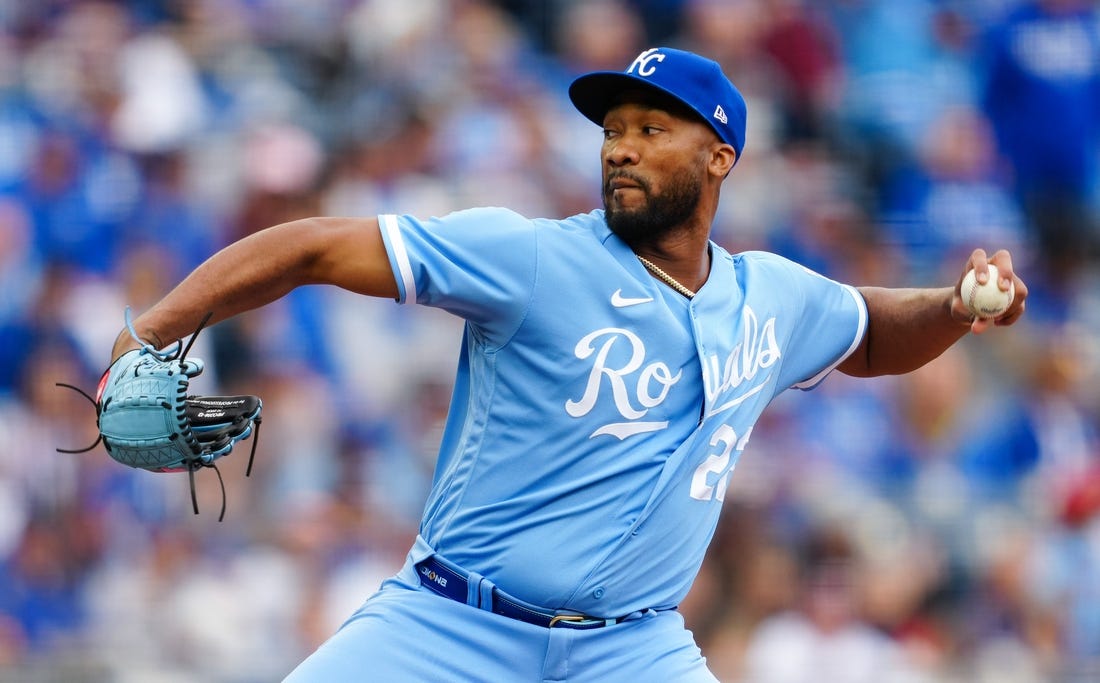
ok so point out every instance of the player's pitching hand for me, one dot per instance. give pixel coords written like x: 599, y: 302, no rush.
x: 1007, y: 284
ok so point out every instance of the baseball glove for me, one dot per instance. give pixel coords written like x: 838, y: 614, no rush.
x: 147, y: 419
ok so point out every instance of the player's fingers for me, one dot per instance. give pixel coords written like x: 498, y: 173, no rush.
x: 1013, y: 314
x: 979, y: 263
x: 1003, y: 260
x: 1009, y: 280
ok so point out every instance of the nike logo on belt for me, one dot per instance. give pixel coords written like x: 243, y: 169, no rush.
x: 620, y: 301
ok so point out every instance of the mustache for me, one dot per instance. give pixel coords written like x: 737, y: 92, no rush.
x: 625, y: 175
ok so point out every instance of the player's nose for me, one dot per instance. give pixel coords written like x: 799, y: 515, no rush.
x: 620, y: 152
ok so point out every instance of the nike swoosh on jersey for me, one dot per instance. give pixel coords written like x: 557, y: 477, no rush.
x: 620, y: 301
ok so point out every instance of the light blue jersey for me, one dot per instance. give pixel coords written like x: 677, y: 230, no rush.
x: 598, y: 414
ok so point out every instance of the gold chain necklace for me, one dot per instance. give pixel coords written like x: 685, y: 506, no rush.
x: 666, y: 278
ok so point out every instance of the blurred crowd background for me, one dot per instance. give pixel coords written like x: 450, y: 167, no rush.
x: 940, y: 527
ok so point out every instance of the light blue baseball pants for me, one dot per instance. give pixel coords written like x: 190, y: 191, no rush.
x: 405, y: 633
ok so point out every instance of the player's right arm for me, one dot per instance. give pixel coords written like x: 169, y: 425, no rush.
x: 908, y: 328
x: 265, y: 266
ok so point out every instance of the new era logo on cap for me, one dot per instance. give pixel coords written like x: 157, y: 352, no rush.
x: 695, y: 81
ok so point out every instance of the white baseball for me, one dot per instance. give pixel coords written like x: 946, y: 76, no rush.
x: 988, y: 300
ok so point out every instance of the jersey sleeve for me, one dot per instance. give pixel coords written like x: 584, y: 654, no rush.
x: 478, y: 264
x: 831, y: 319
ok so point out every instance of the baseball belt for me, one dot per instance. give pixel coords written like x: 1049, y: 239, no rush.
x: 473, y: 589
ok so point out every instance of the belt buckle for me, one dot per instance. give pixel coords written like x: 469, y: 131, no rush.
x: 568, y: 618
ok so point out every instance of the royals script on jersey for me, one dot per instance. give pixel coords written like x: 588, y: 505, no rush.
x: 598, y: 415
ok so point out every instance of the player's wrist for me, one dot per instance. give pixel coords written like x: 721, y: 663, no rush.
x: 956, y: 309
x: 135, y: 336
x: 124, y: 344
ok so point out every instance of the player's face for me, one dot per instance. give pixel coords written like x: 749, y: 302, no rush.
x: 653, y: 167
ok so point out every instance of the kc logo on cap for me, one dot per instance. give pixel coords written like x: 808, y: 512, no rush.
x: 641, y: 62
x: 695, y: 81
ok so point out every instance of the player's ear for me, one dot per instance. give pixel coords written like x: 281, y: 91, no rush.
x: 722, y: 158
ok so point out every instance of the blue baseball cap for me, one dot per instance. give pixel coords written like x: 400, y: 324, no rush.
x: 695, y: 81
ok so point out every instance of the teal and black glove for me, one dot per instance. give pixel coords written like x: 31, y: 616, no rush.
x: 148, y: 420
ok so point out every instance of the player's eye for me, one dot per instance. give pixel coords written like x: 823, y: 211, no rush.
x: 608, y: 134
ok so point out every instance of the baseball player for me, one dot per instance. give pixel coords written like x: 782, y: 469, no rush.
x: 612, y: 367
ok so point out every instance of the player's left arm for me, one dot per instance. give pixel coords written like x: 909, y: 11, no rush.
x: 907, y: 328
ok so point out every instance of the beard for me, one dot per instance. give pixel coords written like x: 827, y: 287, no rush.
x: 662, y: 213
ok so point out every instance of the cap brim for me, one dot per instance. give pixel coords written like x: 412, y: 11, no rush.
x: 595, y: 93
